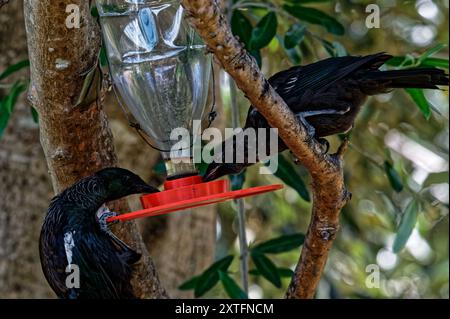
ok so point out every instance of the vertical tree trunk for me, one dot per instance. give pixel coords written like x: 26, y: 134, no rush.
x: 25, y: 187
x: 76, y: 140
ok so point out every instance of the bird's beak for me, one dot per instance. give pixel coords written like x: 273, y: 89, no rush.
x: 145, y: 188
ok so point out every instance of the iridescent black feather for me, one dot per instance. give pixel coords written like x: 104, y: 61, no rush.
x: 71, y: 234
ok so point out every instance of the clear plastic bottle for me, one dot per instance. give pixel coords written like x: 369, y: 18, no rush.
x: 159, y: 67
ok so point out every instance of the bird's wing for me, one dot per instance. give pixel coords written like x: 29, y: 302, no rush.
x: 51, y: 251
x: 103, y: 273
x: 293, y: 83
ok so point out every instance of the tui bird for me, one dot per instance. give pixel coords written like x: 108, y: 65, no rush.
x: 75, y: 233
x: 327, y: 95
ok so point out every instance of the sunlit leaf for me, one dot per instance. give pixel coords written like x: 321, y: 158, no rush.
x: 428, y: 53
x: 14, y: 68
x: 288, y: 173
x: 407, y: 225
x: 315, y: 16
x: 266, y: 268
x: 436, y: 62
x: 280, y: 244
x: 407, y: 61
x: 418, y: 97
x: 393, y: 176
x: 231, y: 287
x: 436, y: 178
x: 294, y: 35
x: 264, y: 31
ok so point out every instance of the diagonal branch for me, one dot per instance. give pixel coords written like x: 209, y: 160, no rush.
x: 329, y: 192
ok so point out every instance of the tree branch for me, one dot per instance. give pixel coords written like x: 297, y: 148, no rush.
x: 76, y: 140
x: 329, y: 192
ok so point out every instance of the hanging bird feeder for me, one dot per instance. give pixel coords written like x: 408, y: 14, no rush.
x: 161, y: 72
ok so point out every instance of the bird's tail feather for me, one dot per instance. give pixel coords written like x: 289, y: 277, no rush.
x: 422, y: 78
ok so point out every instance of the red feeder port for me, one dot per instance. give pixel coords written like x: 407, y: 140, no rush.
x: 190, y: 192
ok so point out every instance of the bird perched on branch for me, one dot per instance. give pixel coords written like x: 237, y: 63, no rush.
x: 327, y: 95
x: 75, y: 234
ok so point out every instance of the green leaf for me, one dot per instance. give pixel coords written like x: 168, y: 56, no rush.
x: 34, y: 115
x: 4, y: 117
x: 294, y: 35
x: 210, y: 277
x: 189, y: 284
x: 436, y: 178
x: 231, y: 287
x: 257, y: 55
x: 335, y: 49
x: 264, y: 31
x: 103, y: 57
x: 407, y: 225
x: 237, y: 180
x: 315, y: 16
x: 94, y: 12
x: 160, y: 168
x: 393, y: 176
x: 339, y: 49
x: 14, y: 68
x: 280, y: 244
x: 436, y: 62
x: 289, y: 175
x: 11, y: 98
x: 266, y: 268
x: 409, y: 60
x: 400, y: 61
x: 8, y: 103
x: 428, y: 53
x: 293, y: 54
x: 285, y: 272
x: 418, y: 97
x: 241, y: 27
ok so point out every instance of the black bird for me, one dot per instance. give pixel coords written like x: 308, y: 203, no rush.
x: 75, y: 233
x: 327, y: 95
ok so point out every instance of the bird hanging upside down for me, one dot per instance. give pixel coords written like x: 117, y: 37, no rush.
x: 75, y: 233
x: 327, y: 95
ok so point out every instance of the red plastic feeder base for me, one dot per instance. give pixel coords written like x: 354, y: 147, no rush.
x: 189, y: 192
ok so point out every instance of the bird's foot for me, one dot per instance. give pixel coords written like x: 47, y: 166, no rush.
x: 325, y: 144
x: 309, y: 128
x: 102, y: 216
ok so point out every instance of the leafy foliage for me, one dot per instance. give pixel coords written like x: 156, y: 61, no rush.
x: 289, y: 174
x: 409, y: 220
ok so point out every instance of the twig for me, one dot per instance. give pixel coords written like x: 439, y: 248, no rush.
x: 329, y: 192
x: 235, y: 118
